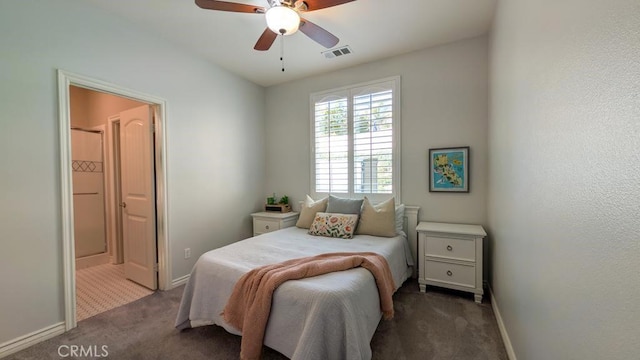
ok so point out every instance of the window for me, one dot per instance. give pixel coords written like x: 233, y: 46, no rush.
x: 355, y: 141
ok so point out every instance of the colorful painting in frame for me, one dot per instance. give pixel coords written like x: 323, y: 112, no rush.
x: 449, y: 169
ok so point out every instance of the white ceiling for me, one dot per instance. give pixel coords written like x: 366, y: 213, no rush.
x: 374, y: 29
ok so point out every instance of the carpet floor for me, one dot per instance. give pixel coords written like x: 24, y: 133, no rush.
x: 439, y: 324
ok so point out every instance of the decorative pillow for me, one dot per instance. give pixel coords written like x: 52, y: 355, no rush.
x: 338, y: 205
x: 334, y: 225
x: 379, y: 220
x: 400, y: 219
x: 309, y: 210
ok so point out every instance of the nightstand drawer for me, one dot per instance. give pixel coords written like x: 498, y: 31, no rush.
x: 264, y: 222
x: 264, y: 226
x: 450, y: 248
x: 463, y: 275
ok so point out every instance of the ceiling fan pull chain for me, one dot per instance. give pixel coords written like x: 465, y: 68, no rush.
x: 282, y: 50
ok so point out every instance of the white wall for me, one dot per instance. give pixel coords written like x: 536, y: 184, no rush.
x: 564, y: 203
x: 444, y: 103
x: 215, y: 170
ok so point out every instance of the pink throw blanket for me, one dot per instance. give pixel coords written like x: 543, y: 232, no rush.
x: 249, y: 305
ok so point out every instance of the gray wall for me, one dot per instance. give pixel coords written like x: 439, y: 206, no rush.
x: 564, y: 193
x: 444, y: 103
x: 214, y: 152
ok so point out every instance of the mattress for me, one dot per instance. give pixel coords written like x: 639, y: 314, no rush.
x: 331, y: 316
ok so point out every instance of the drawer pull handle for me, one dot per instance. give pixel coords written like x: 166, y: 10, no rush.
x: 449, y: 248
x: 449, y: 273
x: 266, y: 227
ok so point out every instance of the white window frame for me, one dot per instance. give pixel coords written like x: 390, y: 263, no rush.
x: 350, y: 92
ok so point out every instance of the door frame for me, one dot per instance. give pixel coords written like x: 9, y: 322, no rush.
x: 65, y: 79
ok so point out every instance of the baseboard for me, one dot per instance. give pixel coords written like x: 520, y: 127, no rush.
x: 503, y: 330
x: 92, y: 260
x: 23, y: 342
x: 180, y: 281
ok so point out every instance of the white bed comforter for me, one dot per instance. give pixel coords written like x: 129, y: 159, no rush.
x: 332, y: 316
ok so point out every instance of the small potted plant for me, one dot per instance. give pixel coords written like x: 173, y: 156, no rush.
x: 279, y: 206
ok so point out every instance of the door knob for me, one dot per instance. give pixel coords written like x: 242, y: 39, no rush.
x: 124, y: 204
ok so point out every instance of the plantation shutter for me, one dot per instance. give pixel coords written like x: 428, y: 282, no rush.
x: 373, y: 143
x: 332, y: 146
x: 355, y: 134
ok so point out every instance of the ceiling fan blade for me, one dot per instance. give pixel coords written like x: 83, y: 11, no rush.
x: 229, y: 6
x: 266, y: 40
x: 318, y: 34
x: 321, y: 4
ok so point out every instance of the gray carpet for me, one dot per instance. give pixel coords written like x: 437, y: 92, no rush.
x: 440, y: 324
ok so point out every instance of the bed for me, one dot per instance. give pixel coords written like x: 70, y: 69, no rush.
x: 331, y: 316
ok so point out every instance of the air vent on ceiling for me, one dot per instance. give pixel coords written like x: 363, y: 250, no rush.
x: 330, y: 54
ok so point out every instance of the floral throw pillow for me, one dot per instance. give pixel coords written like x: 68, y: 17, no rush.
x: 334, y: 225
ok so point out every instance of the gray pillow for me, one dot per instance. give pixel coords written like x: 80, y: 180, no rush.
x: 338, y: 205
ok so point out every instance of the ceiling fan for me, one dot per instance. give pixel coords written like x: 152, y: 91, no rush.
x: 283, y: 18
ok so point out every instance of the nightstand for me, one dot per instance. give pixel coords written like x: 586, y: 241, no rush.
x: 264, y: 222
x: 450, y: 256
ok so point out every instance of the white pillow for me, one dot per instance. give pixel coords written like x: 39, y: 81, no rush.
x: 308, y: 211
x: 379, y: 220
x: 400, y: 219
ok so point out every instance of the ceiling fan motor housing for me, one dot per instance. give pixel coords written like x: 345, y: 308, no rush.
x: 298, y: 5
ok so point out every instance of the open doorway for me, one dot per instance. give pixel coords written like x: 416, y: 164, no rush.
x: 125, y: 200
x: 111, y: 268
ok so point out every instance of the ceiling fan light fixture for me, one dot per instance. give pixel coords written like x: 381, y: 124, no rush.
x: 282, y: 20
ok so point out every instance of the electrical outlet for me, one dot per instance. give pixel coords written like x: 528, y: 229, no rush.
x: 187, y: 253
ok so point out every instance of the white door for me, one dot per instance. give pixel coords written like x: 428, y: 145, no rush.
x: 138, y: 196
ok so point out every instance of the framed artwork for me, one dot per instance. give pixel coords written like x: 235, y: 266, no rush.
x: 449, y: 169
